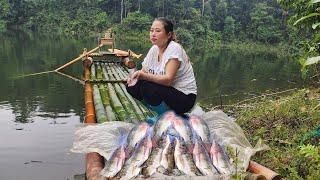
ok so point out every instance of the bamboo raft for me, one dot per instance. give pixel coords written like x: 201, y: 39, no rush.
x: 106, y: 99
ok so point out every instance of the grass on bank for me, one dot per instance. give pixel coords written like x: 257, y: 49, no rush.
x: 286, y: 124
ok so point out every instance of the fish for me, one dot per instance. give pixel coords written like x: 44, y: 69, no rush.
x: 202, y: 158
x: 202, y: 130
x: 132, y: 166
x: 183, y: 159
x: 135, y: 135
x: 220, y: 158
x: 115, y: 163
x: 163, y: 124
x: 167, y: 156
x: 184, y: 131
x: 153, y: 162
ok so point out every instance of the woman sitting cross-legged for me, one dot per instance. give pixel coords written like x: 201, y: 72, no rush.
x: 166, y: 80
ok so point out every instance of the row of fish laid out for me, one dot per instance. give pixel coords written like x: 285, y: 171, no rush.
x: 172, y: 146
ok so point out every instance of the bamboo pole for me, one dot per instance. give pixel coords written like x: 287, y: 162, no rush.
x: 107, y: 103
x: 116, y: 74
x: 94, y: 165
x: 94, y: 162
x: 259, y: 169
x: 119, y: 71
x: 111, y: 77
x: 116, y: 104
x: 122, y: 53
x: 100, y: 111
x: 104, y: 71
x: 126, y: 104
x: 71, y: 77
x: 78, y: 58
x: 138, y: 111
x: 99, y: 71
x: 93, y: 72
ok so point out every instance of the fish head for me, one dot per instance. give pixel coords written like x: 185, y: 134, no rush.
x: 168, y: 115
x: 163, y: 123
x: 138, y: 133
x: 143, y: 127
x: 183, y: 129
x: 194, y: 120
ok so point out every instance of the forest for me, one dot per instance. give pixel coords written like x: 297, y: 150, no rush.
x: 219, y: 20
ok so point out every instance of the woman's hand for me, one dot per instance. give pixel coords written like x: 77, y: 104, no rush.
x: 132, y: 80
x: 138, y: 74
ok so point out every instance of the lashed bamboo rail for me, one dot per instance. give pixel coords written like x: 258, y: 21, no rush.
x: 94, y: 162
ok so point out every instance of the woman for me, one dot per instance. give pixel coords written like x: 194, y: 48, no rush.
x: 166, y: 80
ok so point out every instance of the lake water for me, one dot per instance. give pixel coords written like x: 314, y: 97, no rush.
x: 39, y: 114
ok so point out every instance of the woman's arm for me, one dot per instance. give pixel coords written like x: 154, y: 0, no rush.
x: 172, y: 67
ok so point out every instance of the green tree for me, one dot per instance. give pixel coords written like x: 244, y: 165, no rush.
x: 229, y: 28
x: 4, y: 11
x: 305, y: 18
x: 264, y: 26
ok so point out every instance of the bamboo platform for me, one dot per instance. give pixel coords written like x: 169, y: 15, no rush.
x: 105, y: 75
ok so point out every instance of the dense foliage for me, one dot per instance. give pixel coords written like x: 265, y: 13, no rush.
x: 306, y: 21
x: 208, y: 21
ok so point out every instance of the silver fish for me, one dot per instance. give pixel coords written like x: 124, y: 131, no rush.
x: 135, y: 135
x: 131, y: 167
x: 153, y: 162
x: 167, y: 156
x: 202, y: 159
x: 202, y: 130
x: 115, y: 163
x: 184, y: 130
x: 162, y: 124
x: 220, y: 158
x: 183, y: 159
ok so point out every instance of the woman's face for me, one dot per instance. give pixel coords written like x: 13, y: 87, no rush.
x: 158, y: 35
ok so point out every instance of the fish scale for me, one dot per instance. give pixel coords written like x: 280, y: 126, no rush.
x: 202, y: 159
x: 115, y: 163
x: 220, y: 159
x: 153, y: 162
x: 132, y: 166
x: 183, y: 159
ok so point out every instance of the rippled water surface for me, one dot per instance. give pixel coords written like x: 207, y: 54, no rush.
x: 39, y: 114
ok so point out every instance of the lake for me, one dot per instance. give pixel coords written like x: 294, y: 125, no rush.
x: 39, y: 114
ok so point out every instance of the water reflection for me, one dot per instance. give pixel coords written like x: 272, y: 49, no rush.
x: 23, y: 53
x: 229, y: 76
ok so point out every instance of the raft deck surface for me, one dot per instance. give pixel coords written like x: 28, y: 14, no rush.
x: 111, y: 99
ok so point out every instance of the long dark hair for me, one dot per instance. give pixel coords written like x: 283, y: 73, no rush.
x: 168, y: 27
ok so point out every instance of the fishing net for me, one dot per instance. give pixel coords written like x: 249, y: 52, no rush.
x: 104, y: 138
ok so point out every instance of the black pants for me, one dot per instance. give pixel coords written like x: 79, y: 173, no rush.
x: 154, y: 94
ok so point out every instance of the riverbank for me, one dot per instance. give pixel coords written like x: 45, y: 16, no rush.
x: 286, y: 123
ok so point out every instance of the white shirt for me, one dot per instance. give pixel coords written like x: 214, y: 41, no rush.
x: 184, y: 80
